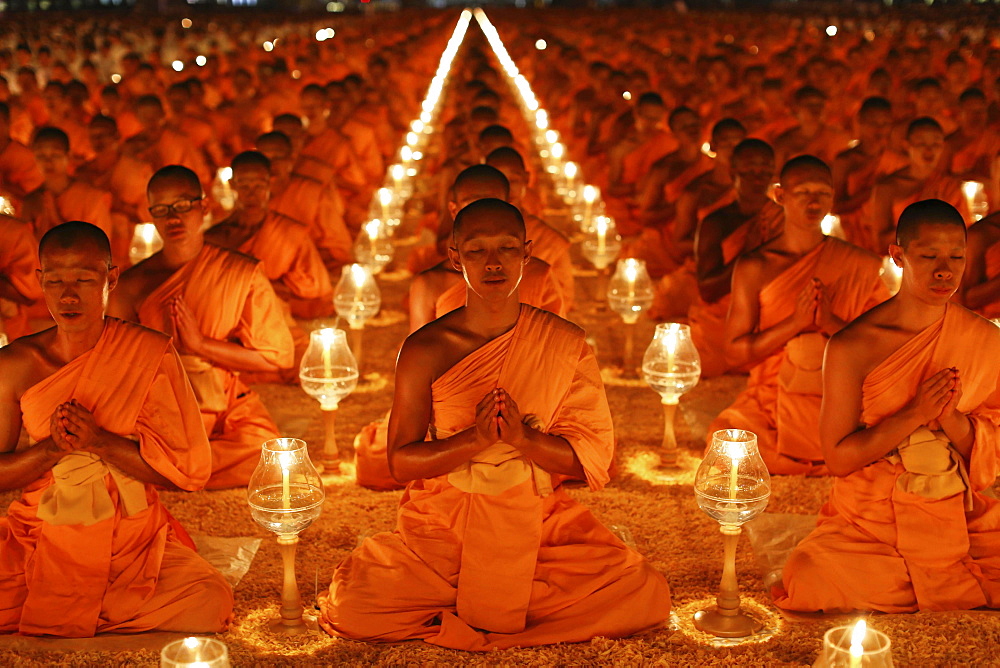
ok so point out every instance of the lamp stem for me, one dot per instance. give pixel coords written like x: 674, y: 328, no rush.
x: 601, y: 287
x: 728, y: 600
x: 330, y: 459
x: 668, y: 451
x: 290, y: 621
x: 628, y: 365
x: 357, y: 342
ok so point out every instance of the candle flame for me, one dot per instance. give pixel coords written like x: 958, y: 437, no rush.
x: 372, y: 227
x: 385, y: 196
x: 735, y: 450
x: 558, y: 150
x: 398, y: 172
x: 406, y: 153
x: 858, y: 637
x: 551, y: 136
x: 672, y: 335
x: 328, y: 335
x: 706, y: 148
x: 148, y: 232
x: 359, y: 274
x: 286, y: 459
x: 971, y: 188
x: 412, y: 138
x: 631, y: 269
x: 191, y: 642
x: 570, y: 170
x: 829, y: 223
x: 417, y: 125
x: 590, y: 194
x: 602, y: 225
x: 226, y: 174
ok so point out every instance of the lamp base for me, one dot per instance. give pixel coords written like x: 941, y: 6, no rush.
x: 726, y: 624
x: 293, y: 627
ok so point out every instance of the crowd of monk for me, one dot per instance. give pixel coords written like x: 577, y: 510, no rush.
x: 720, y: 150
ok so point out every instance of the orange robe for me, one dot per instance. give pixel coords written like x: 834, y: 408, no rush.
x: 232, y: 300
x: 334, y: 149
x: 78, y: 202
x: 635, y: 166
x: 289, y: 257
x: 19, y: 169
x: 18, y: 260
x: 537, y: 289
x: 943, y: 187
x: 992, y: 261
x: 708, y: 321
x: 495, y: 554
x: 364, y: 144
x: 782, y: 399
x: 892, y: 538
x: 857, y: 224
x: 552, y: 247
x: 171, y: 148
x: 126, y: 182
x: 80, y: 555
x: 322, y: 210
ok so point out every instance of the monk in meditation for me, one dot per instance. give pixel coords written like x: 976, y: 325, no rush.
x: 62, y: 197
x: 788, y: 297
x: 19, y: 173
x: 160, y: 145
x: 857, y: 169
x: 911, y: 410
x: 980, y: 288
x: 925, y: 177
x: 324, y: 143
x: 88, y: 547
x: 122, y: 176
x: 222, y: 312
x: 722, y: 237
x: 19, y: 288
x: 308, y: 201
x: 511, y: 400
x: 813, y: 135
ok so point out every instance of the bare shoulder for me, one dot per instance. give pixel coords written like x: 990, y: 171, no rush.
x: 987, y: 230
x: 24, y: 362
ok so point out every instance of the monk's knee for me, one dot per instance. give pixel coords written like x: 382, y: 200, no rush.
x: 211, y: 606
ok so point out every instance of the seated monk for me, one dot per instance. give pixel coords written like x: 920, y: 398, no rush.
x: 222, y: 312
x: 980, y: 288
x: 199, y: 131
x: 788, y: 297
x: 925, y: 177
x: 813, y: 135
x: 911, y: 412
x: 662, y: 187
x: 19, y: 173
x: 973, y: 147
x: 677, y: 291
x: 160, y: 145
x: 19, y: 288
x: 88, y: 547
x: 122, y: 176
x: 722, y: 237
x: 361, y: 135
x: 62, y: 197
x: 548, y: 244
x: 306, y: 200
x: 856, y: 170
x: 511, y: 400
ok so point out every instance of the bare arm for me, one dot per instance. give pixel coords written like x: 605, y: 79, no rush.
x: 685, y: 224
x: 714, y: 275
x: 20, y: 468
x: 227, y: 354
x: 551, y: 452
x: 882, y: 223
x: 653, y: 209
x: 976, y: 290
x: 11, y: 293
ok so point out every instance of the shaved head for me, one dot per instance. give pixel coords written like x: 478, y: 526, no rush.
x: 251, y: 159
x: 506, y: 159
x: 489, y: 211
x: 926, y: 212
x: 175, y: 174
x: 496, y: 134
x: 76, y: 235
x: 275, y: 142
x: 481, y: 178
x: 51, y: 135
x: 806, y: 165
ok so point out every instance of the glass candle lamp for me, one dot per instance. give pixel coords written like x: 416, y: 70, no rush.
x: 357, y: 298
x: 328, y: 372
x: 672, y: 367
x: 630, y: 293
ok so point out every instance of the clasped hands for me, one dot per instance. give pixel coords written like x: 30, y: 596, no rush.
x: 814, y: 308
x: 936, y: 401
x: 499, y: 419
x: 187, y: 335
x: 73, y: 427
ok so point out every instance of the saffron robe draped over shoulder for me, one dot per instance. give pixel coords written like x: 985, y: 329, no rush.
x: 782, y: 399
x: 18, y: 260
x: 88, y: 550
x: 495, y: 554
x: 231, y: 299
x: 884, y: 543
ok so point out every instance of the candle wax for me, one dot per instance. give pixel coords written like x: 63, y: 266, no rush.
x: 286, y: 491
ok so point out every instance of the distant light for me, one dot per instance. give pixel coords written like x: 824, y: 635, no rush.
x: 201, y: 61
x: 626, y: 96
x: 116, y: 78
x: 268, y: 46
x: 320, y: 35
x: 186, y: 23
x: 754, y: 50
x: 335, y: 7
x: 870, y: 35
x: 330, y: 33
x: 831, y: 30
x: 177, y: 65
x: 541, y: 45
x: 296, y: 74
x: 706, y: 148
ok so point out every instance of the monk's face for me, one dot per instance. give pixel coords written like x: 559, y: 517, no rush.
x: 753, y: 172
x: 51, y: 157
x: 725, y: 140
x: 933, y: 262
x: 874, y: 128
x: 806, y: 195
x: 313, y: 107
x: 490, y: 251
x: 76, y: 283
x: 103, y: 137
x: 687, y: 129
x: 650, y: 118
x: 291, y: 130
x: 252, y: 184
x: 810, y: 109
x: 974, y: 114
x: 150, y: 117
x: 178, y: 228
x: 280, y: 156
x: 925, y: 147
x: 517, y: 177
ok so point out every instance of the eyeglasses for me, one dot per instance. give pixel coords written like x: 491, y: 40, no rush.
x: 177, y: 208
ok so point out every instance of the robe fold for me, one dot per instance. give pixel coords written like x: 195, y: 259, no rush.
x: 992, y: 261
x: 552, y: 247
x: 18, y: 260
x: 782, y: 399
x: 321, y: 209
x: 635, y: 167
x: 231, y: 299
x: 565, y: 577
x: 912, y: 533
x: 87, y: 549
x: 19, y: 169
x: 44, y: 210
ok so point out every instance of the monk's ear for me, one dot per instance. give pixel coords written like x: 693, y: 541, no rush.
x: 777, y: 193
x: 528, y: 245
x: 113, y: 274
x: 896, y: 253
x: 452, y: 209
x: 456, y: 261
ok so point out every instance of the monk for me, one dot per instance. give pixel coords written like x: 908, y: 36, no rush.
x: 722, y: 237
x: 788, y: 297
x: 362, y: 136
x: 512, y: 402
x: 911, y: 410
x: 857, y: 169
x: 88, y: 547
x: 19, y: 288
x: 199, y: 131
x: 925, y: 177
x: 980, y: 288
x: 813, y: 135
x: 548, y: 244
x: 223, y: 314
x: 122, y: 176
x: 288, y: 256
x: 160, y: 145
x: 19, y: 173
x: 306, y: 200
x: 325, y: 144
x: 62, y: 197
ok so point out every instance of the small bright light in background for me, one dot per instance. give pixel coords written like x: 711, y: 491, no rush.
x: 321, y: 35
x: 296, y: 74
x: 870, y: 35
x: 706, y: 148
x: 330, y: 33
x: 116, y: 78
x: 335, y: 7
x: 177, y: 65
x: 186, y: 23
x: 551, y: 136
x: 831, y: 30
x: 541, y: 45
x: 754, y: 50
x: 268, y: 46
x: 627, y: 95
x: 201, y: 61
